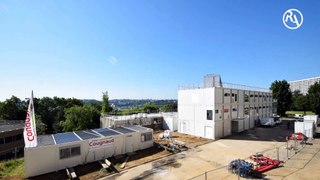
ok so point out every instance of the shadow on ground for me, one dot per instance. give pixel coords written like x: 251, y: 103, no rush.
x: 276, y: 133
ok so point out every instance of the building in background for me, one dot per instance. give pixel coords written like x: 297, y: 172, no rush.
x: 303, y: 85
x: 220, y: 109
x: 155, y: 121
x: 11, y: 139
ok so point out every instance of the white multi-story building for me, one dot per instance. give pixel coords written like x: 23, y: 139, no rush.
x: 219, y: 109
x: 303, y: 85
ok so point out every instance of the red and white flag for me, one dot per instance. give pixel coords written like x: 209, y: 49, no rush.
x: 30, y: 131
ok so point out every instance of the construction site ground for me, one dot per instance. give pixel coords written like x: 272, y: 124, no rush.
x: 214, y: 158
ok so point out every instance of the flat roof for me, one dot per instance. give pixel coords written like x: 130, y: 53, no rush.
x: 88, y: 134
x: 137, y: 128
x: 66, y: 137
x: 45, y: 140
x: 106, y: 132
x: 307, y: 79
x: 11, y: 125
x: 123, y: 130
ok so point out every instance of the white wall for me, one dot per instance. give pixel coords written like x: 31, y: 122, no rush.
x: 192, y: 110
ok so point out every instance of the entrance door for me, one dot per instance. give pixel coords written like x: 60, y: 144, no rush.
x: 129, y: 143
x: 208, y: 132
x: 183, y: 127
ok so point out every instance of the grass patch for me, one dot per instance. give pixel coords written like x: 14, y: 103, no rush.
x: 299, y: 112
x: 12, y: 168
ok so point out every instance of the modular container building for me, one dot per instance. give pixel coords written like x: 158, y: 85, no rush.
x: 64, y: 150
x: 216, y: 109
x: 153, y: 120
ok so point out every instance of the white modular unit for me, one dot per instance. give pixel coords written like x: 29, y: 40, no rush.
x: 170, y: 121
x: 65, y: 150
x: 306, y: 127
x: 216, y: 107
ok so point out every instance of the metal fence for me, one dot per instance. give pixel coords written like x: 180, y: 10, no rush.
x: 282, y: 153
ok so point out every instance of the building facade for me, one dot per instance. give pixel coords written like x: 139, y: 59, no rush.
x: 218, y: 109
x: 11, y: 139
x: 303, y: 85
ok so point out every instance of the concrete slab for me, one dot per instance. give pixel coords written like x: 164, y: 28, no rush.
x: 309, y: 150
x: 302, y: 156
x: 292, y: 163
x: 281, y: 171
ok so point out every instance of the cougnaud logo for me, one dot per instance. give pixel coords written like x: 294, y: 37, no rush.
x: 292, y: 19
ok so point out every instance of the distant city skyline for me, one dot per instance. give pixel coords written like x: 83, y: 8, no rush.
x: 146, y: 49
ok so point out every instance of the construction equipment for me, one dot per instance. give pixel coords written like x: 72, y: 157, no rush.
x: 243, y: 168
x: 265, y: 163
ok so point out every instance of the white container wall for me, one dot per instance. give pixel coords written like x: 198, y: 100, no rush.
x: 65, y: 150
x: 202, y: 108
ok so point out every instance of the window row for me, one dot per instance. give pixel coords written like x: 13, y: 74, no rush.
x: 69, y: 152
x: 146, y: 137
x: 9, y: 139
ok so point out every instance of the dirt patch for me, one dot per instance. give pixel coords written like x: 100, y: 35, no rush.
x: 191, y: 141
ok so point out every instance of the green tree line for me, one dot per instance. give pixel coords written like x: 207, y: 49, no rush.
x: 287, y: 100
x: 57, y: 114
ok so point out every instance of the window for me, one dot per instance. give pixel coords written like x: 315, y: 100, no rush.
x: 246, y: 111
x: 226, y: 94
x: 1, y: 140
x: 75, y: 151
x: 209, y: 114
x: 236, y: 97
x: 8, y: 139
x: 146, y: 137
x: 217, y: 111
x: 251, y: 95
x: 246, y: 98
x: 64, y: 153
x: 19, y: 137
x: 69, y: 152
x: 234, y: 109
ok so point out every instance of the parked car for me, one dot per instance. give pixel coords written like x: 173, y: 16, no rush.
x: 267, y: 121
x: 277, y: 119
x: 298, y: 116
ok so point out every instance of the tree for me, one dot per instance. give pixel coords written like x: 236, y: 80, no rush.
x: 281, y: 92
x: 301, y: 103
x: 295, y: 95
x: 105, y: 107
x: 314, y: 97
x: 80, y: 118
x: 173, y: 107
x: 150, y: 108
x: 13, y: 109
x: 41, y: 127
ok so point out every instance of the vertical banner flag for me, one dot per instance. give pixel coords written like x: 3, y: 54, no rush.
x: 30, y: 133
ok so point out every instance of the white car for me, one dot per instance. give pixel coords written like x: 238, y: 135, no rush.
x: 277, y: 119
x: 267, y: 121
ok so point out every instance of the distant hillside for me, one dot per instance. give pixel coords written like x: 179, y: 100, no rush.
x: 130, y: 103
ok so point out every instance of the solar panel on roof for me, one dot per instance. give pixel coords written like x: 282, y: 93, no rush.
x: 123, y: 130
x: 137, y: 128
x: 45, y: 140
x: 65, y: 137
x: 106, y: 132
x: 87, y: 134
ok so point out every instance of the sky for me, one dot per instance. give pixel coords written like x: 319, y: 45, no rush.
x: 146, y: 49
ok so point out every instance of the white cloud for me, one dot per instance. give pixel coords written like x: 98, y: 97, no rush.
x: 112, y: 60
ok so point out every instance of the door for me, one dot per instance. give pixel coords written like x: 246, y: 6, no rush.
x: 183, y: 127
x: 208, y: 132
x: 129, y: 143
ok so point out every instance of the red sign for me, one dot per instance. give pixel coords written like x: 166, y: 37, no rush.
x: 226, y: 110
x: 100, y: 143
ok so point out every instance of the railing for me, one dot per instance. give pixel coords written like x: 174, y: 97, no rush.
x: 227, y: 85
